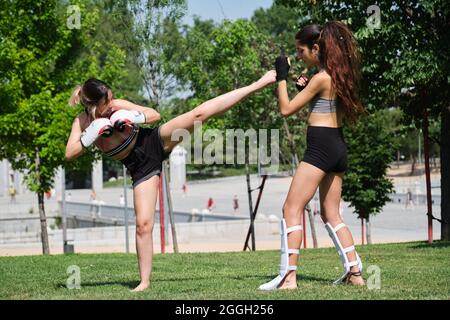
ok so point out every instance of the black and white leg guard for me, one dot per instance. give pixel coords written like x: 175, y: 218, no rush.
x: 284, y: 260
x: 343, y: 251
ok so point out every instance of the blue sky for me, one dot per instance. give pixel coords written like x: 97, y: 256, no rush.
x: 217, y: 9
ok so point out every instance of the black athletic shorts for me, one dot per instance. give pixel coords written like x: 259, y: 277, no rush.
x: 326, y: 149
x: 145, y: 160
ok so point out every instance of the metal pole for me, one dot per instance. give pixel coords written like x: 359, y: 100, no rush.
x: 304, y: 230
x: 161, y: 216
x: 125, y: 209
x: 261, y: 188
x: 427, y: 165
x: 63, y: 208
x: 169, y: 202
x: 166, y: 206
x: 420, y: 151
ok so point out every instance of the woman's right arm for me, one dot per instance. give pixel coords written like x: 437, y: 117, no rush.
x: 287, y: 108
x: 74, y: 148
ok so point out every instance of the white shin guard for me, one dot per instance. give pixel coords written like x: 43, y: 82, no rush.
x: 284, y: 259
x: 343, y: 251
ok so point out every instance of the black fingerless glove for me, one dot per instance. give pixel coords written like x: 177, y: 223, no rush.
x: 299, y: 87
x: 282, y: 67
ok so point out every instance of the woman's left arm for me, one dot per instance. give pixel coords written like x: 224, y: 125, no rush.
x: 151, y: 115
x: 287, y: 108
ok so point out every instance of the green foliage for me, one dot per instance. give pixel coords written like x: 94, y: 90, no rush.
x: 371, y: 147
x: 39, y: 70
x: 409, y: 50
x: 154, y: 28
x: 216, y: 59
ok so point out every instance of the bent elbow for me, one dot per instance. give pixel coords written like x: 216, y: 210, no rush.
x: 69, y: 155
x: 285, y: 113
x: 154, y: 116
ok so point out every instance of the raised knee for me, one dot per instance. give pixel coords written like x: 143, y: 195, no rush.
x: 144, y: 228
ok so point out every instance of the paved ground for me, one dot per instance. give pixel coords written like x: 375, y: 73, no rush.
x: 394, y: 224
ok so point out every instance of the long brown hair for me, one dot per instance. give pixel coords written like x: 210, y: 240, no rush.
x: 339, y: 56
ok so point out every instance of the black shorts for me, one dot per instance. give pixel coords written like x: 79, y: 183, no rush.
x: 145, y: 160
x: 326, y: 149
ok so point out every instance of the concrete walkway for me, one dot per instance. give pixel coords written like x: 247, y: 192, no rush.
x: 393, y: 224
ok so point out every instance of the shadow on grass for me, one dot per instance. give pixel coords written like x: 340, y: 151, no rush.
x: 133, y: 284
x: 127, y: 284
x: 300, y: 277
x: 434, y: 244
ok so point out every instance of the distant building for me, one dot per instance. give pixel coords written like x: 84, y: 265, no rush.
x: 9, y: 177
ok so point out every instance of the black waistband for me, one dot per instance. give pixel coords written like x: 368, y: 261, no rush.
x: 124, y: 144
x: 324, y: 128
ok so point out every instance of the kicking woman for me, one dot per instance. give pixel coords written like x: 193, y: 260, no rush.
x: 332, y: 94
x: 111, y: 124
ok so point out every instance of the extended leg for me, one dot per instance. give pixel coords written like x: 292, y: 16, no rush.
x: 210, y: 108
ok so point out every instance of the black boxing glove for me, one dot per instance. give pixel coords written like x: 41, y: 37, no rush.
x: 300, y: 87
x: 282, y: 67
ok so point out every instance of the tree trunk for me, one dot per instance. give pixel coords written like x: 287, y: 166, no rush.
x: 362, y: 230
x: 311, y: 223
x: 413, y: 166
x: 44, y: 235
x: 250, y: 205
x: 445, y: 174
x: 368, y: 230
x: 398, y: 159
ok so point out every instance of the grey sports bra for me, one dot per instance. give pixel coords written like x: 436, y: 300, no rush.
x: 322, y: 105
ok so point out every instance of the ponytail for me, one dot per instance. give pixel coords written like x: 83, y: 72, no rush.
x: 75, y: 97
x: 340, y: 57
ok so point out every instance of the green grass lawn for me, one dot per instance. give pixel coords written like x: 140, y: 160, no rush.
x: 408, y: 271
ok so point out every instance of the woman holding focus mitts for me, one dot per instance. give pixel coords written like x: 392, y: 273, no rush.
x: 332, y: 94
x: 112, y: 125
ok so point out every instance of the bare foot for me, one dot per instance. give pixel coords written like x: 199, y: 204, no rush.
x: 355, y: 278
x: 289, y: 281
x: 141, y: 287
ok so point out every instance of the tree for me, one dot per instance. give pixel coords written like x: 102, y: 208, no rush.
x: 370, y: 149
x: 226, y: 57
x: 416, y: 62
x: 147, y: 47
x: 38, y: 70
